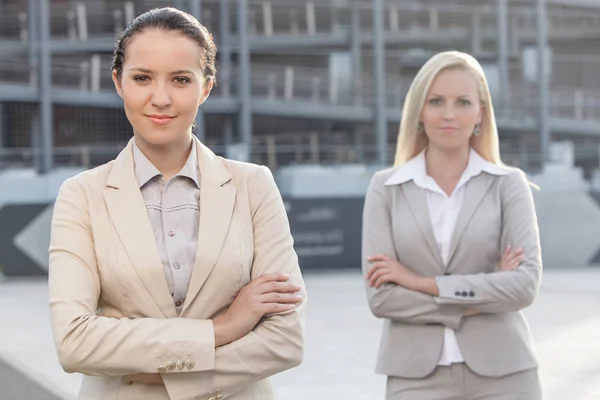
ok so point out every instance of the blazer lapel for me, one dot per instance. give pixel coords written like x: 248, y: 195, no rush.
x: 475, y: 191
x: 217, y: 201
x: 417, y: 200
x: 128, y: 213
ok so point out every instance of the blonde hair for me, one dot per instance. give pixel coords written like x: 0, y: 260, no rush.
x: 411, y: 142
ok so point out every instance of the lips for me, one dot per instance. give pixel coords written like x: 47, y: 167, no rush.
x: 160, y: 119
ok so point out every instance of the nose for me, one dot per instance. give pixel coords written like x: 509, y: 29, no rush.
x: 449, y: 113
x: 160, y: 96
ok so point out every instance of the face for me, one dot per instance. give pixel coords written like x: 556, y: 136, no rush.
x: 452, y: 109
x: 162, y: 85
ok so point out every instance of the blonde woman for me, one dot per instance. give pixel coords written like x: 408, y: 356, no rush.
x: 451, y: 250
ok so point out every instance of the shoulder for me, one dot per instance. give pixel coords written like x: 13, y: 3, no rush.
x: 89, y: 181
x: 253, y: 181
x: 513, y: 176
x: 380, y: 177
x: 377, y: 187
x: 515, y: 183
x: 246, y: 172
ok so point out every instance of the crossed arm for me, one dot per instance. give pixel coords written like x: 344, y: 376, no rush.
x: 107, y: 346
x: 396, y: 292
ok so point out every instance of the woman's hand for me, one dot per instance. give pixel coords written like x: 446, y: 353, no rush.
x: 387, y: 269
x: 267, y: 294
x: 511, y: 259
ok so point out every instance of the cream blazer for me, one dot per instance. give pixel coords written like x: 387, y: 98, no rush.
x: 111, y: 309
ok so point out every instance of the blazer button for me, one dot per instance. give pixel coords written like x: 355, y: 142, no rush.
x: 457, y: 294
x: 472, y: 293
x: 190, y: 363
x: 465, y: 294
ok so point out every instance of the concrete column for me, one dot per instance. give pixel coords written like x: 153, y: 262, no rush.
x: 502, y: 42
x: 543, y: 79
x: 379, y: 68
x: 245, y: 114
x: 356, y: 54
x: 46, y: 111
x: 225, y: 49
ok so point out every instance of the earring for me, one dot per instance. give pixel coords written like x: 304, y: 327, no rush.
x: 477, y: 130
x: 421, y: 129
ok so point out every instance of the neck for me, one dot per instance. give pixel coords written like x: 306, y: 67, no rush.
x: 168, y: 159
x: 446, y: 164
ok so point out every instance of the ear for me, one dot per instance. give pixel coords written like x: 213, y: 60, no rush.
x: 206, y: 91
x: 117, y: 83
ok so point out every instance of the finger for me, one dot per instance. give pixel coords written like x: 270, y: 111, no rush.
x: 514, y: 253
x: 282, y: 298
x: 383, y: 279
x: 373, y: 269
x: 517, y: 252
x: 379, y: 257
x: 271, y: 308
x: 515, y: 257
x: 508, y: 248
x: 277, y: 287
x: 276, y: 276
x: 379, y: 273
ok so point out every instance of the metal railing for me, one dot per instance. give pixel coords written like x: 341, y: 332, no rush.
x: 276, y: 151
x: 86, y: 20
x: 315, y: 85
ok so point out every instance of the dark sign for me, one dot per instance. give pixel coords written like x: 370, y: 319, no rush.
x: 327, y: 232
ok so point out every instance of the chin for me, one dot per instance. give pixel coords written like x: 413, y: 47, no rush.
x: 451, y: 144
x: 159, y: 138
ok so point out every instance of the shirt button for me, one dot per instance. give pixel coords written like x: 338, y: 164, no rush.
x: 176, y: 266
x: 171, y: 233
x: 178, y: 303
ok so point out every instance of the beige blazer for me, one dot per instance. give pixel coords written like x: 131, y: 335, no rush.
x: 111, y: 308
x: 497, y: 210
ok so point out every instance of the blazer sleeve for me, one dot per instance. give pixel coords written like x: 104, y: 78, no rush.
x: 504, y: 291
x: 100, y: 345
x: 390, y: 300
x: 277, y: 342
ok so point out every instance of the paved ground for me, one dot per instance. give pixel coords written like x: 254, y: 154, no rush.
x: 342, y: 339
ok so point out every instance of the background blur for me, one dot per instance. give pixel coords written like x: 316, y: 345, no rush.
x: 313, y: 90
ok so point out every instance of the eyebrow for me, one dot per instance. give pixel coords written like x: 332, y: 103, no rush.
x: 148, y: 71
x: 461, y: 96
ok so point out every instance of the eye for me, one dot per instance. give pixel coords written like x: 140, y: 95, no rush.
x: 435, y: 101
x: 464, y: 102
x: 141, y: 78
x: 182, y: 80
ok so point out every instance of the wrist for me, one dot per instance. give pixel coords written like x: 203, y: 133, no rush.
x: 429, y: 286
x: 222, y: 328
